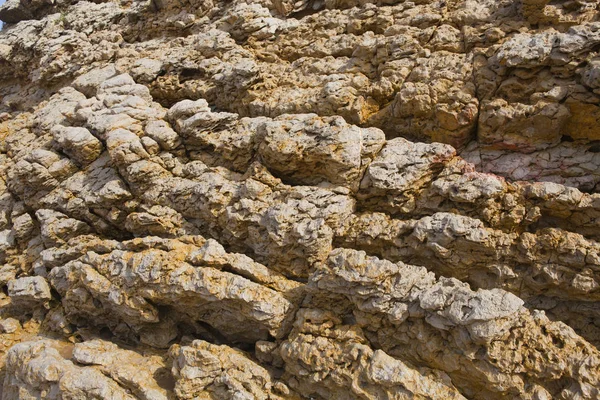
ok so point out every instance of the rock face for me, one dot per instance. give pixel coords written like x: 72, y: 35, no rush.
x: 282, y: 199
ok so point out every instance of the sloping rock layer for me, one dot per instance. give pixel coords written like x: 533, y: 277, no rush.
x: 312, y: 199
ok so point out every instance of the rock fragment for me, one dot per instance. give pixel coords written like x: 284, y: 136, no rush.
x: 29, y: 290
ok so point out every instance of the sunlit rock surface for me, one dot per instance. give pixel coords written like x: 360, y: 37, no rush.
x: 272, y: 199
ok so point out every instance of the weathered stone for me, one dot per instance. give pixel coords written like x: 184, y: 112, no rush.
x: 13, y: 11
x: 9, y: 325
x: 300, y: 199
x: 145, y: 70
x: 327, y: 359
x: 244, y: 302
x: 44, y: 368
x: 30, y: 289
x: 89, y: 82
x: 207, y: 370
x: 78, y: 143
x: 413, y: 316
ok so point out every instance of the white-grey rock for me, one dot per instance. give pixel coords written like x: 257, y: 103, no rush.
x: 29, y: 289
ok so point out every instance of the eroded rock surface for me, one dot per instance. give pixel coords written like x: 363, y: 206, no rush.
x: 283, y: 199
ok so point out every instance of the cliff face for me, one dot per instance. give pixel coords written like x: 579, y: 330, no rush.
x: 319, y: 199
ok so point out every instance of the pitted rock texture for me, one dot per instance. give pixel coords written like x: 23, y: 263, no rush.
x: 280, y: 199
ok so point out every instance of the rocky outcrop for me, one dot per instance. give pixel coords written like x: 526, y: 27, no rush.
x: 300, y: 200
x: 326, y: 359
x: 148, y: 286
x: 206, y: 370
x: 409, y: 313
x: 93, y: 370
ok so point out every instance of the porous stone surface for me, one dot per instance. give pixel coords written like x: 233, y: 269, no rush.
x: 279, y: 199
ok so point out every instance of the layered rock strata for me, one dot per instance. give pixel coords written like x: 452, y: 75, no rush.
x: 300, y: 200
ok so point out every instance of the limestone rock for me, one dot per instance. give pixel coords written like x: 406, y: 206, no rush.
x: 44, y: 368
x: 195, y: 278
x: 401, y: 168
x: 140, y: 375
x: 207, y: 370
x: 328, y: 359
x: 30, y: 289
x: 300, y: 199
x: 14, y: 11
x: 399, y: 304
x: 78, y: 143
x: 9, y: 325
x: 305, y: 149
x: 146, y: 70
x: 89, y: 82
